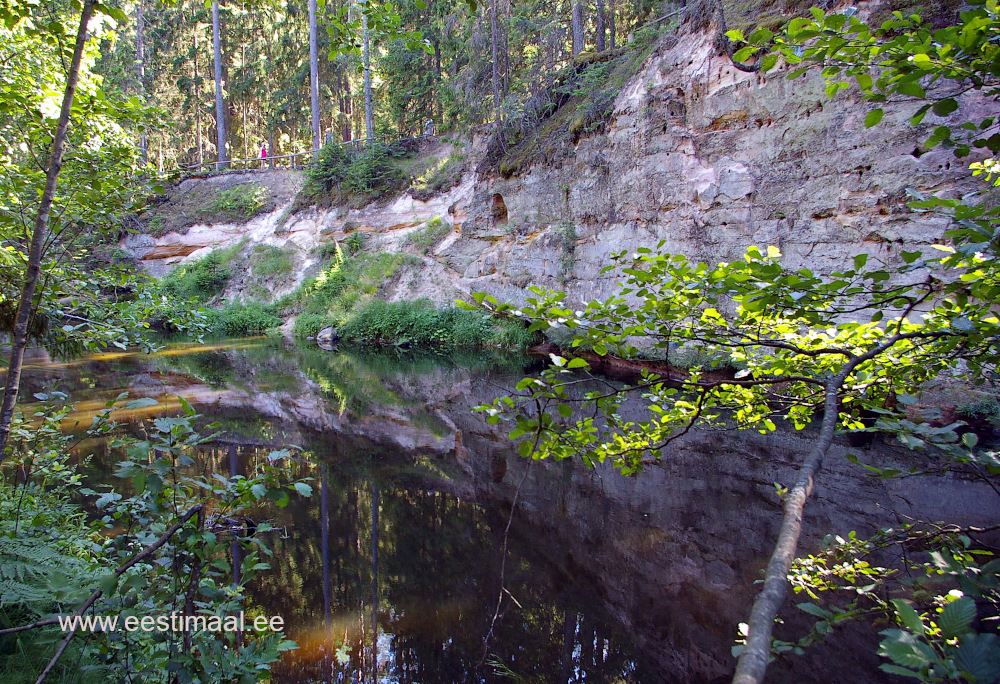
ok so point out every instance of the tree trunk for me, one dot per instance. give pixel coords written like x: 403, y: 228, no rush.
x: 314, y: 74
x: 578, y: 37
x: 140, y: 68
x: 611, y: 24
x: 494, y: 46
x: 344, y: 101
x: 752, y: 663
x: 220, y: 105
x: 197, y: 105
x: 33, y: 272
x: 601, y: 47
x: 374, y: 540
x: 366, y: 56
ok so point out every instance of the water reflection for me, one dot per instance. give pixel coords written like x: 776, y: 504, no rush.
x: 389, y: 582
x: 391, y: 571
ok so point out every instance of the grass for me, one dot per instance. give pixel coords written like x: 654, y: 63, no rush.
x: 421, y: 323
x: 424, y: 239
x: 344, y: 296
x: 269, y: 261
x: 237, y: 320
x: 203, y: 278
x: 245, y: 201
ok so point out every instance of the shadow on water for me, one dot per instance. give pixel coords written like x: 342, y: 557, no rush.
x: 390, y: 572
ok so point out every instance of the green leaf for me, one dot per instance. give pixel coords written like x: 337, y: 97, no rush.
x: 813, y: 609
x: 903, y: 648
x: 956, y: 617
x: 945, y: 107
x: 873, y: 117
x: 303, y: 489
x: 908, y: 616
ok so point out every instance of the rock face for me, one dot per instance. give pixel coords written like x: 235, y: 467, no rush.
x: 712, y: 160
x: 697, y: 154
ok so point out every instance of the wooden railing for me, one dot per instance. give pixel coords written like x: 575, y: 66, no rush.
x: 295, y: 158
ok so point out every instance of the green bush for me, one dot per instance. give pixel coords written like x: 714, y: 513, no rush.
x: 420, y: 323
x: 237, y: 320
x: 986, y: 410
x: 243, y: 200
x: 309, y: 324
x: 372, y: 173
x: 201, y: 279
x: 355, y: 242
x: 329, y: 171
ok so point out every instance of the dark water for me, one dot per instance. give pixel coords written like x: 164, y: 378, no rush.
x: 391, y: 571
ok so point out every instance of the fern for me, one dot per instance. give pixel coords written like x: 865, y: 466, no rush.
x: 37, y: 575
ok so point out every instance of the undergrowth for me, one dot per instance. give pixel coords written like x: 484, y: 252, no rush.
x: 238, y: 320
x: 357, y: 176
x: 344, y: 296
x: 425, y: 238
x: 203, y: 278
x: 240, y: 200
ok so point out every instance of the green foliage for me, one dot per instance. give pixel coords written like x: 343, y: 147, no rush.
x: 236, y: 320
x: 203, y: 278
x: 345, y: 282
x: 936, y: 639
x: 986, y: 410
x: 566, y: 238
x: 424, y: 239
x: 269, y: 261
x: 309, y: 324
x: 372, y: 173
x: 53, y: 555
x: 330, y: 170
x: 358, y: 175
x: 420, y: 322
x: 355, y: 242
x: 245, y: 200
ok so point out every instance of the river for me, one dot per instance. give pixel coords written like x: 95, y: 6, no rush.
x: 391, y: 571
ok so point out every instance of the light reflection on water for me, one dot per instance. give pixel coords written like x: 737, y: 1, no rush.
x: 385, y: 574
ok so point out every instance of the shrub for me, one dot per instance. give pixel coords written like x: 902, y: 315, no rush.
x: 329, y: 171
x: 235, y: 320
x: 243, y: 200
x: 201, y: 279
x: 419, y: 322
x: 309, y: 324
x: 986, y: 410
x: 372, y: 173
x: 355, y: 242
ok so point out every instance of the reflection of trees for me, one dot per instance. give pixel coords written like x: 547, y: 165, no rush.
x: 377, y: 576
x: 401, y: 581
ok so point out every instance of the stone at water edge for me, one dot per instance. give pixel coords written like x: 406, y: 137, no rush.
x: 327, y: 335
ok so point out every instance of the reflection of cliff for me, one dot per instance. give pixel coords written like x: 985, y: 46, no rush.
x: 651, y: 572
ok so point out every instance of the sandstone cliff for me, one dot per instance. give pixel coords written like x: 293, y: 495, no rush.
x: 698, y: 154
